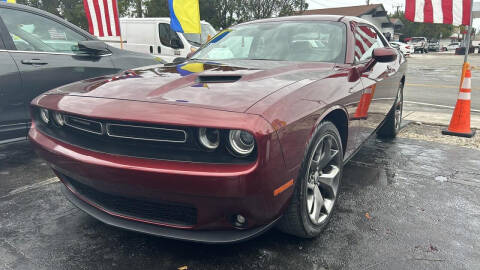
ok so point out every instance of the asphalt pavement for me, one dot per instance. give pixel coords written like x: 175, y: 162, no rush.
x: 434, y: 79
x: 405, y: 204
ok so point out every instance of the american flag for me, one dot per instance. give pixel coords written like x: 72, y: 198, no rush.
x: 102, y: 16
x: 365, y: 37
x: 456, y: 12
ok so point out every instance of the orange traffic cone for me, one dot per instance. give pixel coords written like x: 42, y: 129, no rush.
x: 460, y: 122
x: 365, y: 100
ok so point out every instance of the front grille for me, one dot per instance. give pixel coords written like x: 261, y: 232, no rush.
x: 84, y: 124
x: 146, y: 133
x: 164, y: 212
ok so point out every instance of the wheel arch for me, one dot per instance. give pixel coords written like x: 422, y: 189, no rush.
x: 339, y: 117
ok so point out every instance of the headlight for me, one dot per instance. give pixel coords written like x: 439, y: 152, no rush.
x: 241, y: 142
x: 44, y: 115
x: 209, y: 138
x: 58, y: 118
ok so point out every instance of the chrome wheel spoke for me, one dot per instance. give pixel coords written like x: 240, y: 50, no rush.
x: 328, y: 153
x: 329, y: 180
x: 311, y: 185
x: 318, y: 204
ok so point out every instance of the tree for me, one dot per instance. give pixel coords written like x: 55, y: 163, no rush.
x: 428, y: 30
x: 220, y: 13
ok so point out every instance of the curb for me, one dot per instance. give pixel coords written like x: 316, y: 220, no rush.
x: 437, y: 118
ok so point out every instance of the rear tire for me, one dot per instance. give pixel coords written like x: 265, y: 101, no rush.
x: 317, y: 186
x: 392, y: 124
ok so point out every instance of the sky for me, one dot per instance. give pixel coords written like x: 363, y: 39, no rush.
x: 390, y: 5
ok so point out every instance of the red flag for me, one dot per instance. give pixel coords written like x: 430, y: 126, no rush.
x: 102, y: 16
x: 456, y: 12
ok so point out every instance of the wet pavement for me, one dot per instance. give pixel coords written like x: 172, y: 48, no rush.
x: 405, y: 204
x: 434, y: 79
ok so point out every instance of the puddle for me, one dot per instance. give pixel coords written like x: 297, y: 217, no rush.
x: 356, y: 174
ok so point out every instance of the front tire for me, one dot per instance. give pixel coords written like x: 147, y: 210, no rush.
x: 393, y: 121
x: 317, y: 186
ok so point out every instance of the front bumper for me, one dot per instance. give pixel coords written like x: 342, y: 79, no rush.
x: 211, y: 237
x: 217, y: 192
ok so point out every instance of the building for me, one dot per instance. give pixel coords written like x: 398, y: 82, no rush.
x: 376, y: 14
x: 397, y: 27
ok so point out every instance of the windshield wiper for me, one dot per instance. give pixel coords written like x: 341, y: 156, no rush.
x: 264, y: 59
x: 195, y: 43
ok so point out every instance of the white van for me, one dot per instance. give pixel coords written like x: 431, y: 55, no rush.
x: 154, y: 36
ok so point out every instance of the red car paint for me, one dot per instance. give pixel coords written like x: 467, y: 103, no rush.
x: 280, y: 106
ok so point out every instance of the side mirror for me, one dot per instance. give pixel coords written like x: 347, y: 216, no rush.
x: 354, y: 74
x: 384, y: 55
x: 179, y: 60
x: 95, y: 47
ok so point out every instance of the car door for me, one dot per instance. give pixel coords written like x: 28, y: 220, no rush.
x: 170, y: 43
x: 45, y: 49
x: 13, y: 116
x: 379, y: 82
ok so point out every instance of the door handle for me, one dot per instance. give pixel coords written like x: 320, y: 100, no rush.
x: 34, y: 62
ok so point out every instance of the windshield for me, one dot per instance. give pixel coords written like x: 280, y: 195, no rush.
x: 207, y: 31
x: 279, y: 41
x: 417, y: 39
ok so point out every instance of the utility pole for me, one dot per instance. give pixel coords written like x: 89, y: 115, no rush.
x: 469, y: 34
x: 368, y: 2
x: 397, y: 6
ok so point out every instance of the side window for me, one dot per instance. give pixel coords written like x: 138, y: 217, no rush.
x: 168, y: 37
x: 366, y: 40
x: 31, y: 32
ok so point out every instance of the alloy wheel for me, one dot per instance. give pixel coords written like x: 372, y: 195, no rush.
x: 399, y: 108
x: 323, y: 179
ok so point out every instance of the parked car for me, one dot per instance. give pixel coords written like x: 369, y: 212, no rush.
x: 419, y: 44
x: 452, y: 46
x: 406, y: 49
x: 476, y: 44
x: 155, y: 36
x: 434, y: 46
x: 38, y: 52
x: 232, y: 141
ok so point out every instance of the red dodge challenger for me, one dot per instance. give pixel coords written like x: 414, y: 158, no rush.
x: 251, y: 131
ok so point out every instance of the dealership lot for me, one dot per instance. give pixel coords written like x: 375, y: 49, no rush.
x: 405, y: 204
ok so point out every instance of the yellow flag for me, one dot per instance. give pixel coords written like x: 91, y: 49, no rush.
x: 185, y: 16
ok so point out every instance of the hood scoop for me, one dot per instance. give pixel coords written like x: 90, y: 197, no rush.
x: 218, y: 78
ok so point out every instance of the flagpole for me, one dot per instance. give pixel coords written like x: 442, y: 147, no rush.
x: 469, y: 34
x: 121, y: 40
x: 119, y: 25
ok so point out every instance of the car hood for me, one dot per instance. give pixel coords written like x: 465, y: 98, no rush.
x: 233, y: 86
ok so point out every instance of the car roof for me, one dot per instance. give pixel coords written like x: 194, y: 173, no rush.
x: 46, y: 14
x: 334, y: 18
